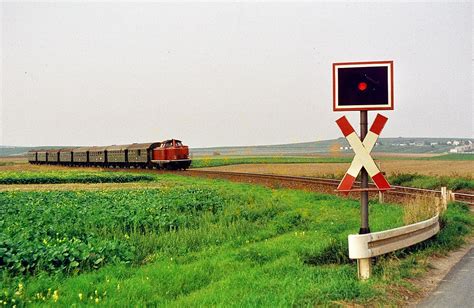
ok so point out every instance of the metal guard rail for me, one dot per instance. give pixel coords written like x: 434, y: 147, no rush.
x: 363, y: 246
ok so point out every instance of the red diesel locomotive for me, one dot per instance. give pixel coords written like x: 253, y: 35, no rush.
x: 170, y: 154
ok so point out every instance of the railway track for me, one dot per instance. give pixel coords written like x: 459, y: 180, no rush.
x: 396, y: 194
x: 315, y: 184
x: 464, y: 198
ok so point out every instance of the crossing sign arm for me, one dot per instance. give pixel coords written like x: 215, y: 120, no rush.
x: 362, y: 149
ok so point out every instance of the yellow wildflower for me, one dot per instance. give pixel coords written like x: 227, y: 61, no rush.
x: 20, y: 289
x: 96, y: 300
x: 80, y: 296
x: 55, y: 295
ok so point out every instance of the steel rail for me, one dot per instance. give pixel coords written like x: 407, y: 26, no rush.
x: 396, y: 190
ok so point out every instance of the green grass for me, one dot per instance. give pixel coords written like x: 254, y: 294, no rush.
x: 432, y: 182
x: 196, y: 242
x: 452, y: 156
x: 70, y: 176
x: 224, y: 161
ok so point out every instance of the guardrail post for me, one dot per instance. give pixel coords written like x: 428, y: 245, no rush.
x: 451, y: 196
x: 363, y: 268
x: 381, y: 197
x: 444, y: 197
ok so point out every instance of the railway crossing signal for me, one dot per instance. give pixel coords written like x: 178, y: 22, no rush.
x: 362, y: 149
x: 363, y: 86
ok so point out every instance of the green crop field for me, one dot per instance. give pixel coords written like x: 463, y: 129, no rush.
x: 224, y: 161
x: 70, y: 176
x: 452, y: 156
x: 196, y: 242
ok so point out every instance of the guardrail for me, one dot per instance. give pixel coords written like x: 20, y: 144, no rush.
x: 365, y: 246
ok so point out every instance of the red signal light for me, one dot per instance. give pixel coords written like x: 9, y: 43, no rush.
x: 362, y: 86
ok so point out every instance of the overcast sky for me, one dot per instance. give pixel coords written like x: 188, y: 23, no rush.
x: 215, y: 74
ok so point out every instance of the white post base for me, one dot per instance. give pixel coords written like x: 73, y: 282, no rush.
x: 364, y: 268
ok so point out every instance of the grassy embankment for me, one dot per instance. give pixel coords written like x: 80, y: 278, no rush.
x: 199, y: 242
x: 453, y: 182
x: 432, y: 182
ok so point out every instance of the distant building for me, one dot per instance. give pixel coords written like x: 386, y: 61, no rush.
x: 463, y: 148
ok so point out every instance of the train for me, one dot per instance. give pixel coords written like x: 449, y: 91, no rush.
x: 170, y: 154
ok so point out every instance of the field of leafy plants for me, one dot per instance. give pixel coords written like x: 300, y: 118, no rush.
x: 75, y: 231
x: 70, y: 176
x: 196, y: 242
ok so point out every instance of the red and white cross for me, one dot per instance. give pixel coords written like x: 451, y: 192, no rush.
x: 362, y: 151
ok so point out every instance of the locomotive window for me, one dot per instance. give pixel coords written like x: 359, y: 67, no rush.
x: 179, y: 144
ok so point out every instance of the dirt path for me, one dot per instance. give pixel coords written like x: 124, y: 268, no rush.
x: 455, y: 289
x: 440, y: 267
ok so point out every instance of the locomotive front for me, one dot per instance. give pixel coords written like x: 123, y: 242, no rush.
x: 172, y: 154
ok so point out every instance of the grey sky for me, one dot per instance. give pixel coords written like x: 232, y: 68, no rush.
x: 225, y: 74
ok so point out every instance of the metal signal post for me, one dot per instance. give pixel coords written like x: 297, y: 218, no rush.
x: 364, y: 266
x: 364, y: 181
x: 363, y: 86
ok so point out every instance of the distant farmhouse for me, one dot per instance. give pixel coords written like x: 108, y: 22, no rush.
x: 462, y: 147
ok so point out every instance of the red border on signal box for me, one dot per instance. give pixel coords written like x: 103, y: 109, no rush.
x: 357, y: 108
